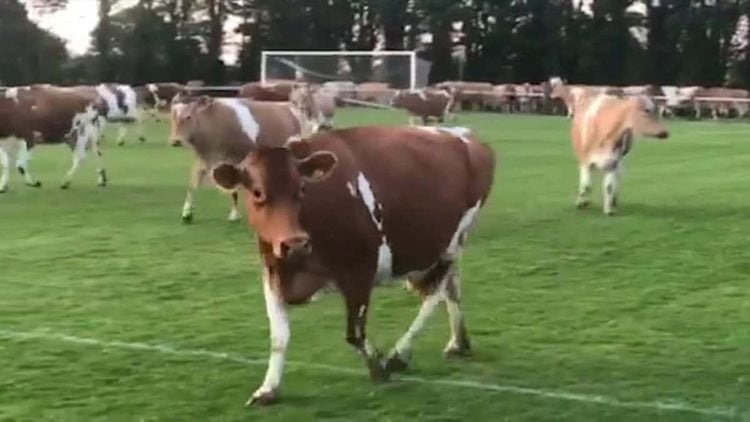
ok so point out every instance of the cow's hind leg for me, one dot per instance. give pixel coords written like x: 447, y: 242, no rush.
x: 584, y: 186
x: 79, y: 153
x: 459, y: 344
x: 101, y: 172
x: 234, y: 213
x: 122, y: 132
x: 22, y: 164
x: 611, y: 179
x: 431, y: 285
x: 5, y: 165
x: 197, y: 174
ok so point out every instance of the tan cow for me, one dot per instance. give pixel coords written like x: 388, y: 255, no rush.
x: 226, y: 130
x: 316, y: 106
x: 43, y: 114
x: 602, y: 133
x: 359, y: 207
x: 424, y: 104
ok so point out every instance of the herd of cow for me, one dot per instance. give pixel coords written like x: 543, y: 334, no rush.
x: 351, y: 208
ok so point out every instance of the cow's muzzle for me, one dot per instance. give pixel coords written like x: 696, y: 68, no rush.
x: 294, y: 247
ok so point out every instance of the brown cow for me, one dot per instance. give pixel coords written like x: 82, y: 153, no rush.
x: 226, y: 130
x: 424, y: 104
x: 266, y: 92
x: 602, y: 133
x: 44, y: 114
x: 357, y: 207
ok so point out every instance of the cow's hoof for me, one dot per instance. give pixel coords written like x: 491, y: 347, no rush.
x: 65, y: 185
x: 187, y: 219
x: 582, y: 204
x: 36, y: 184
x: 142, y: 139
x: 120, y: 143
x: 378, y: 373
x: 102, y: 183
x: 397, y: 362
x: 3, y: 189
x: 457, y: 350
x: 233, y: 217
x: 263, y: 397
x: 609, y: 213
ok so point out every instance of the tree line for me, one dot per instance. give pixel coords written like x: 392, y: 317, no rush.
x: 682, y: 42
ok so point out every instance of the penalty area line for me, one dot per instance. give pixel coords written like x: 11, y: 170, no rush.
x: 657, y: 405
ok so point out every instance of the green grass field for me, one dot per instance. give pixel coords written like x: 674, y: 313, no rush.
x: 111, y: 309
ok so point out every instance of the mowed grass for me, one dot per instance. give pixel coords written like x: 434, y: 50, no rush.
x: 643, y: 316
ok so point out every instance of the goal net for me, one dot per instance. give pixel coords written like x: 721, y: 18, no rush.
x: 397, y: 69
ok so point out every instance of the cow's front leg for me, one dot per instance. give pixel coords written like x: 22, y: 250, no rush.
x: 356, y: 335
x: 267, y: 393
x: 584, y: 186
x: 611, y: 178
x: 197, y: 174
x: 22, y: 164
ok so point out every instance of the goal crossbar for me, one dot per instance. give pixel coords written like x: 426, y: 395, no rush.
x: 412, y: 55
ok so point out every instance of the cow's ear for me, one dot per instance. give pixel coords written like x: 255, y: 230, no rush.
x: 204, y: 102
x: 229, y: 177
x: 298, y: 147
x: 317, y: 167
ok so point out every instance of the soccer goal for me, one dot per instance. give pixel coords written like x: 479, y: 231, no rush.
x: 397, y: 69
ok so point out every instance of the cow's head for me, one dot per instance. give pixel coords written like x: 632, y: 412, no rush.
x: 186, y: 113
x: 398, y: 98
x: 644, y: 118
x: 274, y: 180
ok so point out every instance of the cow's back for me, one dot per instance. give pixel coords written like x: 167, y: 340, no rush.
x: 276, y: 120
x: 416, y: 184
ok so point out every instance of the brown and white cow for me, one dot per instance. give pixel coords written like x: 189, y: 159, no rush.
x: 602, y: 133
x: 43, y: 114
x: 157, y: 97
x: 424, y: 104
x: 357, y: 207
x: 226, y: 130
x: 121, y: 106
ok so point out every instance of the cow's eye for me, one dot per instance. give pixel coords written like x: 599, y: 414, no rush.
x: 301, y: 191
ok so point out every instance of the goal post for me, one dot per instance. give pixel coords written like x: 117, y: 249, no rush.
x: 388, y: 66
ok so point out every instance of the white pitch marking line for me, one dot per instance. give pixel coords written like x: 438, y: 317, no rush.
x: 660, y: 405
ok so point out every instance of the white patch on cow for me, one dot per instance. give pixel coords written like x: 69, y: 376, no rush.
x: 464, y: 225
x: 351, y: 188
x: 459, y: 132
x: 384, y: 270
x: 110, y: 98
x: 280, y: 333
x: 12, y: 94
x: 456, y: 131
x: 152, y: 88
x: 246, y: 120
x: 590, y: 114
x: 602, y: 159
x: 130, y: 98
